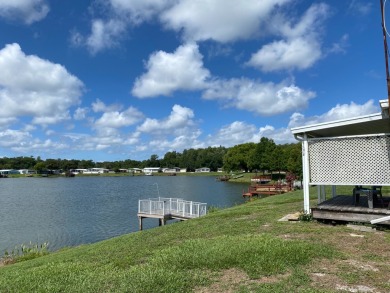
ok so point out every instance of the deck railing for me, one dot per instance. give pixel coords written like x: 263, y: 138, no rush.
x: 175, y: 207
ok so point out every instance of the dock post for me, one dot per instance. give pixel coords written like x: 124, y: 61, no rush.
x: 161, y: 221
x: 140, y: 223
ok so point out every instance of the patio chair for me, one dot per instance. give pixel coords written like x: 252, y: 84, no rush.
x: 374, y: 191
x: 377, y: 191
x: 356, y: 194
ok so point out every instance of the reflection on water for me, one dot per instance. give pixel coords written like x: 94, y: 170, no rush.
x: 73, y: 211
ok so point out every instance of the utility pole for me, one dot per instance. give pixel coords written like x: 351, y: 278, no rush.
x: 386, y: 53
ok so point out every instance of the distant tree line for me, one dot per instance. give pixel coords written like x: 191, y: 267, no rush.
x: 264, y: 156
x: 254, y: 157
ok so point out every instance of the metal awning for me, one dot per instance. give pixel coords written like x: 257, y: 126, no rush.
x: 368, y: 124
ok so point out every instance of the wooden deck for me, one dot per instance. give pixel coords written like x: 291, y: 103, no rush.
x: 342, y: 208
x: 266, y: 189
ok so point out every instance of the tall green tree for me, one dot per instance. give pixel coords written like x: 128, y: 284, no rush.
x: 261, y: 157
x: 294, y: 161
x: 278, y: 159
x: 40, y: 166
x: 237, y: 157
x: 171, y: 159
x: 189, y: 158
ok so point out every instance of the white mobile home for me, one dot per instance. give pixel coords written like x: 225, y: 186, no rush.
x: 171, y: 170
x: 151, y: 169
x: 96, y: 171
x: 202, y: 170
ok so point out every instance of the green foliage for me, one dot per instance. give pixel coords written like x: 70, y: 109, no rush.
x: 294, y: 160
x: 212, y: 209
x: 305, y: 217
x: 25, y: 252
x: 264, y: 156
x: 40, y: 166
x: 261, y: 157
x: 238, y: 157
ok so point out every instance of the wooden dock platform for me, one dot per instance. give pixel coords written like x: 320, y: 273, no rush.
x: 166, y: 209
x: 266, y: 189
x: 343, y: 208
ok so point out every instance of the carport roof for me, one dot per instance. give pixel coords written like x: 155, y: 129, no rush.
x: 368, y: 124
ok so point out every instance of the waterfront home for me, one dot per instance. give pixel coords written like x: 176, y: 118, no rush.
x: 149, y: 170
x: 171, y: 170
x: 202, y: 170
x: 135, y: 170
x: 26, y: 171
x: 77, y: 171
x: 8, y: 172
x: 350, y: 152
x: 96, y: 171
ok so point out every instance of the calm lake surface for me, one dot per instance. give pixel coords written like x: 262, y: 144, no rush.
x: 73, y: 211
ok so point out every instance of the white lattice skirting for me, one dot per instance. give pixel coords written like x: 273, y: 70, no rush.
x: 350, y: 160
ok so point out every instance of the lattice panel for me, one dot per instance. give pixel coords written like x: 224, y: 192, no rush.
x: 350, y: 160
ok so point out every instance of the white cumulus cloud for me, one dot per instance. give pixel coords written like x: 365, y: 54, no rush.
x: 235, y: 133
x: 300, y: 46
x: 138, y: 11
x: 180, y: 117
x: 169, y: 72
x: 11, y: 138
x: 27, y: 11
x: 36, y: 145
x: 118, y: 119
x: 219, y: 20
x: 99, y: 106
x: 300, y: 53
x: 105, y: 34
x: 34, y: 87
x: 239, y: 132
x: 339, y: 112
x: 262, y: 98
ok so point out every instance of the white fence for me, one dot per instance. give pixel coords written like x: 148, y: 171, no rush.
x: 174, y: 207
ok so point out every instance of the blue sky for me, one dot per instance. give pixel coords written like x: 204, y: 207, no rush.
x: 126, y: 79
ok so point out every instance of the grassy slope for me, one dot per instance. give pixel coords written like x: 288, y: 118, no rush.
x: 240, y: 249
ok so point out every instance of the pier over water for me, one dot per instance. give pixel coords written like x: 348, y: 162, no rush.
x: 164, y: 209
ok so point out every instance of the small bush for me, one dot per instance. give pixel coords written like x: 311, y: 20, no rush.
x: 305, y: 217
x: 212, y: 209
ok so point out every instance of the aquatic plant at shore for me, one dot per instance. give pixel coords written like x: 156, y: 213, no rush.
x: 24, y: 252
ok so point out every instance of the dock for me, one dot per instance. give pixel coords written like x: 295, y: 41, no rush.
x: 263, y: 179
x: 266, y: 189
x: 165, y: 209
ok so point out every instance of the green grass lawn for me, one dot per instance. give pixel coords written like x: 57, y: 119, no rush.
x: 241, y: 249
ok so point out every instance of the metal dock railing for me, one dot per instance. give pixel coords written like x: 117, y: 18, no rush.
x: 169, y: 208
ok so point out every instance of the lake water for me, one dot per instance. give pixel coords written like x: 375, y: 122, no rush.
x: 73, y: 211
